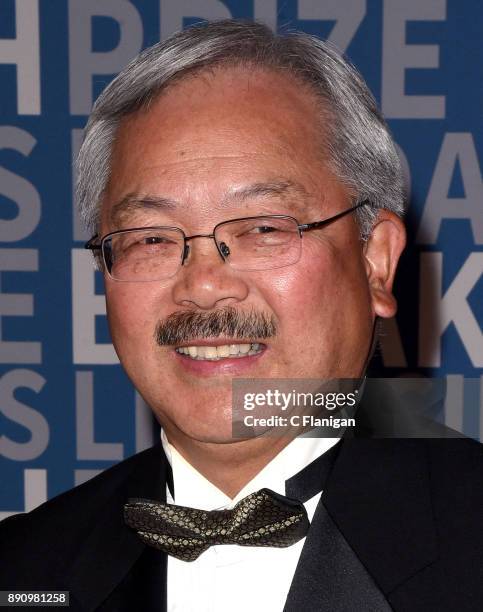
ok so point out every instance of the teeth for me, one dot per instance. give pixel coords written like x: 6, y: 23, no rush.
x: 223, y: 351
x: 211, y: 352
x: 215, y: 353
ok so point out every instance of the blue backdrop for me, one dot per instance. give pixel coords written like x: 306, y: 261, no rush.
x: 66, y: 408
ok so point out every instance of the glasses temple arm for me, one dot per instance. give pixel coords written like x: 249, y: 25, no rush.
x: 90, y: 244
x: 317, y: 224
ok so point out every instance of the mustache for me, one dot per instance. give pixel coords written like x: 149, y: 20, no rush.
x: 186, y: 325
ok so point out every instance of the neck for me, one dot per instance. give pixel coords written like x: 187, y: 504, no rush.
x: 229, y: 466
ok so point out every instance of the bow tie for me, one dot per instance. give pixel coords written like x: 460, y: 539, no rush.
x: 264, y: 518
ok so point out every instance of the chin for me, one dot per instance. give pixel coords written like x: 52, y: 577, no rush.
x: 200, y: 424
x: 222, y: 436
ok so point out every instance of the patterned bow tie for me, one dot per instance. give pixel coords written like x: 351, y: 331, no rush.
x: 263, y: 518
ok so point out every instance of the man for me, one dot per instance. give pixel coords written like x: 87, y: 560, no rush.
x: 210, y: 169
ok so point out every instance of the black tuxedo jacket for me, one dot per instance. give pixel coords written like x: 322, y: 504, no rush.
x: 399, y: 526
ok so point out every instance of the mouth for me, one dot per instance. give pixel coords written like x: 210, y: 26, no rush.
x: 219, y: 352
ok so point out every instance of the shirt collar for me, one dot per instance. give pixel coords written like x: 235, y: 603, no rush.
x: 192, y: 489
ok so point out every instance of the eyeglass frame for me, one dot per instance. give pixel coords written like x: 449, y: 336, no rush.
x: 302, y: 227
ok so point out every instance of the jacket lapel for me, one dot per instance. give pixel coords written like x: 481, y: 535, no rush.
x: 372, y: 530
x: 114, y: 570
x: 379, y: 496
x: 329, y: 575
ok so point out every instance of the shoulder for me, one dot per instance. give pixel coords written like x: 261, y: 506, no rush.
x: 51, y: 534
x: 411, y: 510
x: 83, y: 499
x: 455, y: 470
x: 393, y: 479
x: 455, y: 477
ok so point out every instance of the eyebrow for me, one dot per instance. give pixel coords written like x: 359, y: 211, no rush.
x: 133, y: 203
x: 282, y: 188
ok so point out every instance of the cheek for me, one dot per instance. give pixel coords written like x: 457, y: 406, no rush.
x: 131, y: 314
x: 325, y: 290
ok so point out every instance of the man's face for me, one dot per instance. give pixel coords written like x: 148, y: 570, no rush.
x: 228, y: 144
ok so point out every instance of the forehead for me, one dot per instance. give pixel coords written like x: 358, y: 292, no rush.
x: 217, y: 133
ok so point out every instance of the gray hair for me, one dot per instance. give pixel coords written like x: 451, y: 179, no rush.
x: 359, y: 148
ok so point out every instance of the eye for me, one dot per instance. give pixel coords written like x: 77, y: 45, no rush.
x: 265, y: 229
x: 155, y: 240
x: 143, y: 243
x: 264, y: 233
x: 256, y: 229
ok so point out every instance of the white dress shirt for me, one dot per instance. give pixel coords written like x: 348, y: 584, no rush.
x: 231, y: 577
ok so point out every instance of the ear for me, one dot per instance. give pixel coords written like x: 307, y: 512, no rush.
x: 382, y: 251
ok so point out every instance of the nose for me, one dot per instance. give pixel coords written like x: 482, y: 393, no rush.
x: 205, y: 280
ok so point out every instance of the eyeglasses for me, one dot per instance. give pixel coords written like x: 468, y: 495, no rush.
x: 147, y: 254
